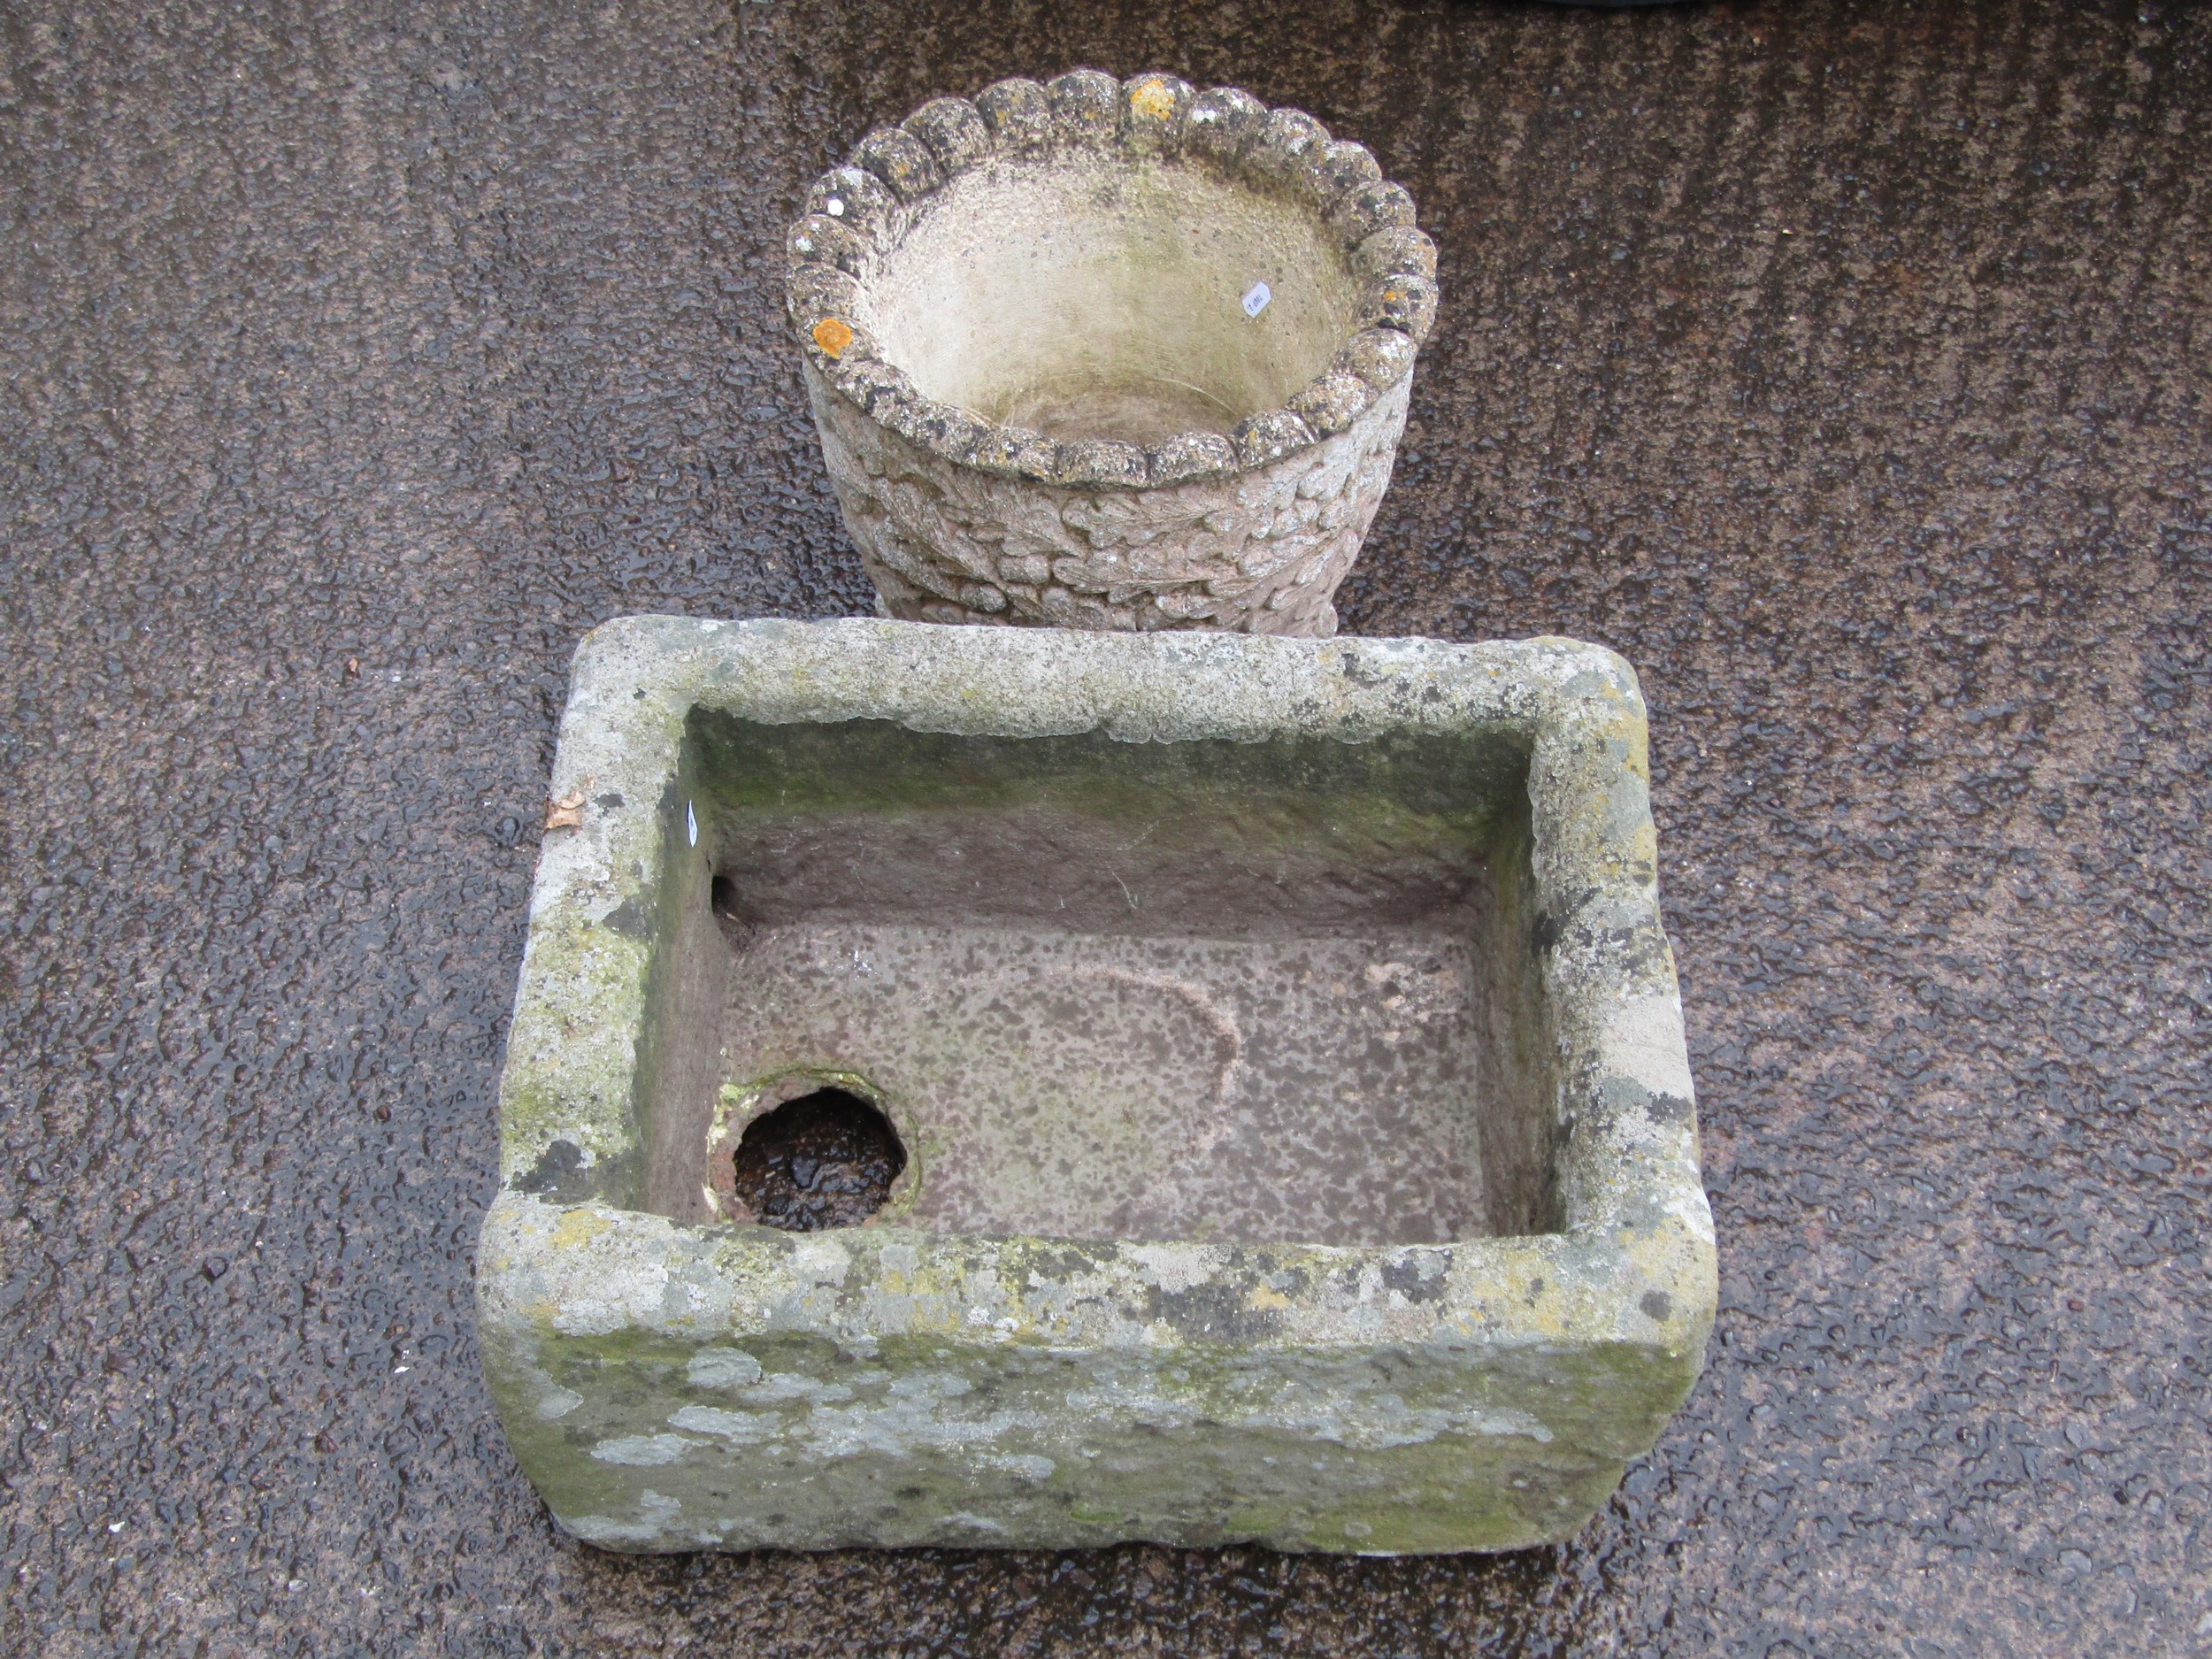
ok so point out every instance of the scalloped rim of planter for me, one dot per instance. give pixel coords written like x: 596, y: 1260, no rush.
x: 1592, y: 1334
x: 1226, y: 129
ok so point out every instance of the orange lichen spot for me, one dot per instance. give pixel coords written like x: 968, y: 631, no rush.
x: 1153, y: 98
x: 832, y: 336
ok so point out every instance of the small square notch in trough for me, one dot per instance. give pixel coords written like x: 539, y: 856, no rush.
x: 1203, y: 1089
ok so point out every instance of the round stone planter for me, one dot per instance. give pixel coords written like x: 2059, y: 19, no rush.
x: 1110, y: 355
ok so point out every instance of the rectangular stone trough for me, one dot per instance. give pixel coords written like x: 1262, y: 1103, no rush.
x: 1275, y: 1044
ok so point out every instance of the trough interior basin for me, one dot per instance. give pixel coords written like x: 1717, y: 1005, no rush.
x: 1215, y: 991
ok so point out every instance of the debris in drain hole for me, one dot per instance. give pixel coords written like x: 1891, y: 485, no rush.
x: 824, y: 1160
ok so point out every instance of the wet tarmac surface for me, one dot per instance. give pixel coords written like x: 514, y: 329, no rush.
x: 1847, y: 367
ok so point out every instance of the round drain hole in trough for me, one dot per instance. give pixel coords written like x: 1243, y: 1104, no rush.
x: 823, y: 1160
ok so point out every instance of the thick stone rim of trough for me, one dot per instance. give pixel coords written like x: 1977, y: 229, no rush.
x: 863, y: 207
x: 1634, y: 1264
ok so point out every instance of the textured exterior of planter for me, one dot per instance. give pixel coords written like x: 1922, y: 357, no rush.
x: 672, y: 1385
x: 1255, y: 552
x: 962, y: 517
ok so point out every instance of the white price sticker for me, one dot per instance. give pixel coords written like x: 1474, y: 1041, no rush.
x: 1255, y: 299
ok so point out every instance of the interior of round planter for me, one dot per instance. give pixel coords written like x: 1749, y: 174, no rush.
x: 1103, y: 296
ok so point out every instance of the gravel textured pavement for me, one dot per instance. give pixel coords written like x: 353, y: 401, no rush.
x: 1848, y: 366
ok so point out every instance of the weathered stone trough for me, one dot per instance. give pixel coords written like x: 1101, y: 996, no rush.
x: 1271, y: 1049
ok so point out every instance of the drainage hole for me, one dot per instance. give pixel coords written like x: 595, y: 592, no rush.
x: 722, y: 898
x: 823, y: 1160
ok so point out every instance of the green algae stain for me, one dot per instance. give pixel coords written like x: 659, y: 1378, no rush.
x: 1402, y: 795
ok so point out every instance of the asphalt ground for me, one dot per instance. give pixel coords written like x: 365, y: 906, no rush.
x: 1844, y: 365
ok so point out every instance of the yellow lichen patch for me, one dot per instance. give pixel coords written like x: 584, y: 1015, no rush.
x: 1634, y: 737
x: 1643, y: 845
x: 833, y: 335
x: 1267, y: 1298
x: 1152, y: 97
x: 578, y: 1227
